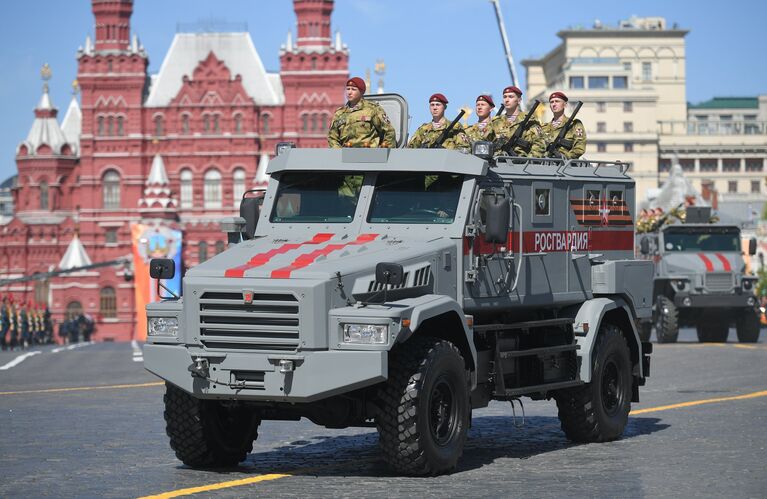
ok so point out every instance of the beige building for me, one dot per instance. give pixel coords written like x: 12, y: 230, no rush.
x: 631, y: 79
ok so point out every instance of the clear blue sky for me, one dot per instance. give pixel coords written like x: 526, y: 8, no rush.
x: 452, y: 46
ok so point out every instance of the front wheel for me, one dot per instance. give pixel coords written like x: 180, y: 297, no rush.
x: 425, y: 410
x: 208, y: 433
x: 598, y: 411
x: 747, y: 327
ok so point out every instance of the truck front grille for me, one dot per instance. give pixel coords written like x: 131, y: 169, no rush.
x: 269, y: 322
x: 719, y: 282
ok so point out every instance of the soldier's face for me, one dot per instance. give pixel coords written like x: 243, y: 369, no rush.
x: 557, y: 105
x: 483, y: 109
x: 353, y: 94
x: 437, y: 110
x: 511, y: 101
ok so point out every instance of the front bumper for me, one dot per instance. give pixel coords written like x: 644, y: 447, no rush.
x: 713, y: 301
x: 249, y: 376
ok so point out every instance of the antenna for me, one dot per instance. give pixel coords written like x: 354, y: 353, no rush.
x: 506, y: 48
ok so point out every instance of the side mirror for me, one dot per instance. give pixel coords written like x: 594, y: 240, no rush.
x: 498, y: 218
x: 644, y: 245
x: 390, y: 274
x: 752, y: 246
x: 162, y: 268
x: 250, y: 210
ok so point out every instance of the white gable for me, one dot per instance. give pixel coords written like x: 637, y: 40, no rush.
x: 235, y: 50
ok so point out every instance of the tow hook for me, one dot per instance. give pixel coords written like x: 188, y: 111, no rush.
x: 199, y: 368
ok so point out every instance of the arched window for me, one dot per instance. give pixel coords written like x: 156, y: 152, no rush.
x: 120, y: 126
x: 108, y: 301
x: 111, y: 190
x: 219, y: 247
x: 42, y: 290
x: 216, y: 127
x: 158, y: 128
x: 202, y: 250
x: 111, y: 126
x: 324, y: 122
x: 187, y: 190
x: 237, y: 123
x: 212, y: 191
x: 185, y: 123
x: 305, y: 122
x: 314, y: 122
x: 43, y: 195
x: 205, y: 123
x: 74, y: 309
x: 238, y: 186
x: 100, y: 128
x: 265, y: 124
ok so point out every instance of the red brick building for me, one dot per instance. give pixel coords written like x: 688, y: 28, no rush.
x: 179, y: 146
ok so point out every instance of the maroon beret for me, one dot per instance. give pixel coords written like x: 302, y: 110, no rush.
x: 558, y: 95
x: 357, y: 82
x: 438, y: 98
x: 514, y: 89
x: 487, y: 99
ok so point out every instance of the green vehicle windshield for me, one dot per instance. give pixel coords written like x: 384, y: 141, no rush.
x: 703, y: 240
x: 321, y: 197
x: 415, y: 198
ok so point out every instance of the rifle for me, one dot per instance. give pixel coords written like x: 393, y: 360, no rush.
x: 447, y: 131
x: 517, y: 139
x: 500, y: 110
x: 551, y: 150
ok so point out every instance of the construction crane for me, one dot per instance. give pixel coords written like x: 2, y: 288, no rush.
x: 506, y: 47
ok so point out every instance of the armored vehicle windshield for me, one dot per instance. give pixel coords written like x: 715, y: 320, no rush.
x: 415, y: 198
x: 702, y: 239
x: 323, y: 197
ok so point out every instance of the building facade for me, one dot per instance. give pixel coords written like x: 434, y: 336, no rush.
x: 631, y: 78
x: 179, y: 148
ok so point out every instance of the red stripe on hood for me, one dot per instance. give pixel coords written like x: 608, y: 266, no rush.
x: 709, y: 264
x: 308, y: 258
x: 263, y: 258
x: 725, y: 262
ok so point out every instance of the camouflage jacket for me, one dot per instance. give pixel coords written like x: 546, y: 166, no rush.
x: 364, y: 125
x: 576, y: 134
x: 474, y: 133
x: 533, y: 134
x: 427, y: 134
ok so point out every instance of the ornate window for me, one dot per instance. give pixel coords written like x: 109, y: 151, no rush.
x: 185, y: 123
x: 42, y: 291
x: 305, y: 122
x: 100, y: 127
x: 314, y: 122
x: 324, y: 122
x: 108, y: 302
x: 219, y: 247
x: 120, y: 126
x: 238, y: 186
x: 265, y: 124
x: 158, y: 126
x: 111, y: 126
x: 237, y: 123
x: 206, y: 123
x: 202, y: 250
x: 74, y: 309
x: 111, y: 190
x: 43, y: 195
x: 187, y: 189
x: 212, y: 192
x: 216, y: 127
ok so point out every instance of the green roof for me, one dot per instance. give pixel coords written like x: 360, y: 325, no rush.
x: 727, y: 103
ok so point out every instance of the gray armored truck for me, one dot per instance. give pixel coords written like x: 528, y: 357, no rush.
x: 700, y: 280
x: 402, y: 289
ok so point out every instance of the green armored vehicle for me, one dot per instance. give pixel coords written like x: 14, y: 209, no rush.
x: 401, y: 289
x: 700, y: 280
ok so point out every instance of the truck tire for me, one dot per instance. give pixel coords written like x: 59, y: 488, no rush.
x: 645, y: 331
x: 712, y: 330
x: 747, y: 327
x: 598, y: 411
x: 208, y: 433
x: 425, y: 409
x: 666, y: 320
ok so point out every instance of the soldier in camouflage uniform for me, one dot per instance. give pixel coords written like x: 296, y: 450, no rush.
x: 429, y: 133
x: 483, y: 129
x: 576, y: 133
x: 360, y: 123
x: 506, y: 126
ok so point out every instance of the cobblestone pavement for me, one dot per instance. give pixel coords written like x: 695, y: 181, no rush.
x: 111, y: 442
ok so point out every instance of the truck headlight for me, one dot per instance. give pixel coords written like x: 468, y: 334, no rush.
x: 747, y: 284
x: 162, y: 326
x: 366, y: 334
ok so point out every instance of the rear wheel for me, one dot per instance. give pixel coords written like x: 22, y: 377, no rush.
x: 747, y: 327
x: 598, y: 411
x: 666, y: 320
x: 425, y: 411
x: 208, y: 433
x: 713, y: 330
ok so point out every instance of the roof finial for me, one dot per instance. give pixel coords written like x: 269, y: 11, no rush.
x: 46, y: 74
